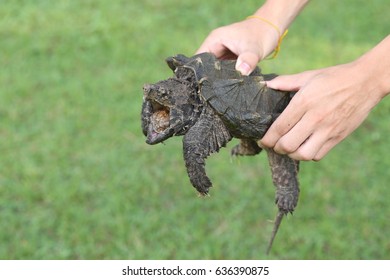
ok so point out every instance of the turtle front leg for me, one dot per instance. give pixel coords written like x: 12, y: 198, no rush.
x: 206, y: 136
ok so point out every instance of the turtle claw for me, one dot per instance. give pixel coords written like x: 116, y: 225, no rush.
x: 286, y: 202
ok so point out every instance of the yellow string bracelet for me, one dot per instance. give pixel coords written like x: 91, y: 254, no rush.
x: 281, y: 36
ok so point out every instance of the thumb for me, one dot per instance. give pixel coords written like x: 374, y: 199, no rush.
x: 246, y: 62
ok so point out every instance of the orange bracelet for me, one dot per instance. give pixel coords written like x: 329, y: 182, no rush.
x: 281, y: 36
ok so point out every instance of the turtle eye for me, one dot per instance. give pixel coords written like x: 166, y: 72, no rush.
x: 147, y: 89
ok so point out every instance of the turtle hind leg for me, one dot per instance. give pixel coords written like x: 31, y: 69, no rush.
x: 246, y: 147
x: 285, y: 178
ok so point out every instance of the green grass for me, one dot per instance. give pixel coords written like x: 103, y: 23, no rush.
x: 77, y: 180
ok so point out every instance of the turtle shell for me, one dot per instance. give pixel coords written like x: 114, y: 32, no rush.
x: 246, y: 105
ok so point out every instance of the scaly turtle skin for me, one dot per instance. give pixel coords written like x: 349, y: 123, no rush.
x: 209, y: 102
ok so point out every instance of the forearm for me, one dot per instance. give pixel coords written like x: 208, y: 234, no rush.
x: 376, y: 63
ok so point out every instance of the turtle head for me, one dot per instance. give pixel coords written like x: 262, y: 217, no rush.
x: 169, y: 108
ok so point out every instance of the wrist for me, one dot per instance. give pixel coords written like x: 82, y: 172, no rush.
x: 281, y: 12
x: 274, y: 17
x: 276, y: 29
x: 267, y: 34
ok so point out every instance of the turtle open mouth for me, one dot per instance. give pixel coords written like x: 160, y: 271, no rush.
x: 156, y: 119
x: 160, y: 117
x: 159, y: 123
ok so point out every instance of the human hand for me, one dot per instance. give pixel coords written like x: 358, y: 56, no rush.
x: 251, y: 40
x: 248, y: 41
x: 329, y: 105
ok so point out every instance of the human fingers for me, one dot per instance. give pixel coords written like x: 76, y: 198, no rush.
x: 291, y: 82
x: 215, y: 47
x: 247, y: 58
x: 315, y: 146
x: 291, y: 115
x: 210, y: 40
x: 218, y: 43
x: 284, y: 123
x: 309, y: 137
x: 290, y: 141
x: 326, y: 148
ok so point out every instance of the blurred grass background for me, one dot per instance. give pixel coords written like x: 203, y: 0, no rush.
x: 77, y: 180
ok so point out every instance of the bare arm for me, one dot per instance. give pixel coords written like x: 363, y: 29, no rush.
x: 251, y: 40
x: 329, y: 105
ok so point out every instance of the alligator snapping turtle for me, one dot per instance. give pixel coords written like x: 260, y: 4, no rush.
x: 209, y: 102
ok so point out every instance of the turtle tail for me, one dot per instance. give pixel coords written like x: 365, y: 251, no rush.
x: 278, y: 221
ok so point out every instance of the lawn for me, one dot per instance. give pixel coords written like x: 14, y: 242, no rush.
x: 77, y: 180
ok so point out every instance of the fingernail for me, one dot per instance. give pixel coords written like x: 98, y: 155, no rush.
x: 244, y: 68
